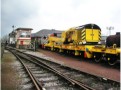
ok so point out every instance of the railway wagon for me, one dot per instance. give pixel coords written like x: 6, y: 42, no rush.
x: 77, y: 40
x: 110, y: 52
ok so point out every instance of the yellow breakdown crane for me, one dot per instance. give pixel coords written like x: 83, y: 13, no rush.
x: 83, y: 41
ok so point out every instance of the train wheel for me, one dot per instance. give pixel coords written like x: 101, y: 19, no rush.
x: 112, y: 61
x: 97, y: 57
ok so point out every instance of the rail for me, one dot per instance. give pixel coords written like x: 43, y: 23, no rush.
x: 34, y: 80
x: 39, y: 86
x: 71, y: 80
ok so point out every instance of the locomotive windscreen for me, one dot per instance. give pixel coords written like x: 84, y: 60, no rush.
x: 90, y: 26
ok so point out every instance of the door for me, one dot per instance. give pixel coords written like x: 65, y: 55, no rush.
x: 21, y: 42
x: 96, y: 35
x: 89, y: 35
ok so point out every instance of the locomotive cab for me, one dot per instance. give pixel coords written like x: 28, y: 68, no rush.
x: 86, y: 34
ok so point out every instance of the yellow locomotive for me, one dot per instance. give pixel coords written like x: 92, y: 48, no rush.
x: 83, y: 41
x: 86, y: 34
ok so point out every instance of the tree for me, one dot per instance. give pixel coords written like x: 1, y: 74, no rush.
x: 4, y: 39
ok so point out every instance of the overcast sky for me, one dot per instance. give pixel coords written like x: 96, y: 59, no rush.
x: 59, y: 14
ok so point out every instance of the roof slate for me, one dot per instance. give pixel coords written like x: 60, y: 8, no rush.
x: 45, y: 32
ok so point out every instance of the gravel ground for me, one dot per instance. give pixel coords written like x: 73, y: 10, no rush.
x: 10, y: 79
x: 80, y: 64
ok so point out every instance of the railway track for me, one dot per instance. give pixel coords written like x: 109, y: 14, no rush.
x: 75, y: 80
x: 45, y: 78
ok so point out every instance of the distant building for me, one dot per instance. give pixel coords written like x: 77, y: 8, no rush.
x: 103, y: 39
x: 12, y: 37
x: 41, y: 36
x: 21, y: 37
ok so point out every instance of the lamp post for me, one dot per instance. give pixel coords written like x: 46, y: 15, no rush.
x: 110, y: 28
x: 13, y: 35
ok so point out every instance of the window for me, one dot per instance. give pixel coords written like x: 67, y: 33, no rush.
x: 25, y: 34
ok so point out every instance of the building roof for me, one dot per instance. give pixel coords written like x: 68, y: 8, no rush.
x: 45, y: 32
x: 24, y: 29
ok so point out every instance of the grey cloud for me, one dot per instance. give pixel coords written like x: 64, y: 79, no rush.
x: 15, y: 12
